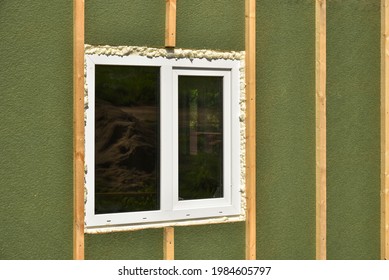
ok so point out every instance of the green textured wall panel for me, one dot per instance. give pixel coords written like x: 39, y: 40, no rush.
x: 210, y: 24
x: 123, y: 22
x: 353, y: 129
x: 138, y: 245
x: 285, y: 129
x: 36, y: 127
x: 36, y: 130
x: 210, y: 242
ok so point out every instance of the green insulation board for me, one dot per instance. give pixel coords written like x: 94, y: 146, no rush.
x: 36, y: 130
x: 353, y: 129
x: 285, y: 129
x: 36, y: 133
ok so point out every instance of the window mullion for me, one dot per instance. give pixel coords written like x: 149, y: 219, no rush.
x: 167, y: 138
x: 174, y: 110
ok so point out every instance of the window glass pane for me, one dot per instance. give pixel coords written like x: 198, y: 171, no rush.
x: 200, y: 137
x: 126, y: 139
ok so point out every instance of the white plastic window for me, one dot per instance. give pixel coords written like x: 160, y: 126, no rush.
x: 162, y: 140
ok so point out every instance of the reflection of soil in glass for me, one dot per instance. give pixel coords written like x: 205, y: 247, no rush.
x: 200, y: 137
x: 126, y: 139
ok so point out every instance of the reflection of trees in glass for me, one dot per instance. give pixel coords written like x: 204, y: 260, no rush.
x: 126, y: 139
x: 193, y: 96
x: 200, y: 137
x: 127, y: 85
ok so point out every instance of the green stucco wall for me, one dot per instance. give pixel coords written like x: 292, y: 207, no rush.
x: 285, y: 129
x: 36, y: 125
x: 353, y: 129
x: 36, y: 130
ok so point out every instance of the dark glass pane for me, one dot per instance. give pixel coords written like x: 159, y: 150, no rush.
x: 127, y: 139
x: 200, y: 137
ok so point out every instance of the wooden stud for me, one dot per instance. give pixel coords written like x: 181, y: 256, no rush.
x: 168, y: 243
x: 250, y: 130
x: 78, y: 129
x: 385, y: 129
x: 170, y: 24
x: 170, y: 42
x: 321, y: 164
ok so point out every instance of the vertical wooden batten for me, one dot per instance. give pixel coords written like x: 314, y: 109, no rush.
x: 321, y: 165
x: 78, y: 129
x: 385, y: 129
x: 250, y: 46
x: 170, y: 42
x: 170, y: 25
x: 168, y: 243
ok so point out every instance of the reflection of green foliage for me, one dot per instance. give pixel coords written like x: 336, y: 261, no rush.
x: 193, y: 96
x: 202, y: 98
x: 144, y: 198
x: 205, y: 91
x: 127, y: 85
x: 200, y: 176
x: 126, y: 203
x: 201, y: 111
x: 141, y: 198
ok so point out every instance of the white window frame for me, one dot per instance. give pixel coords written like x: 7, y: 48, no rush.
x: 172, y: 209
